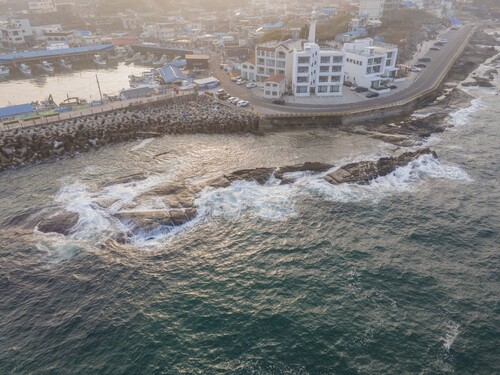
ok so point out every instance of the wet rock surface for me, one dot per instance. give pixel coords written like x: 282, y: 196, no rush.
x: 61, y: 222
x: 179, y: 198
x: 365, y: 171
x: 182, y: 115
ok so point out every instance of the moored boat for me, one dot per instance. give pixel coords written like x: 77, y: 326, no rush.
x: 25, y: 69
x: 4, y: 71
x: 99, y: 60
x: 65, y: 64
x: 48, y: 67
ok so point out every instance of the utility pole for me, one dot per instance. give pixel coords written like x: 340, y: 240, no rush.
x: 98, y: 86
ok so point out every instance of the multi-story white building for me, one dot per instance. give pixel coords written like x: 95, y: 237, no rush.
x: 42, y: 6
x: 248, y: 70
x: 274, y: 87
x: 275, y: 58
x: 368, y: 63
x: 16, y: 32
x: 317, y: 71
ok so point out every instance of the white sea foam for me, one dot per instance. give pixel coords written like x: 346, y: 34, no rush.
x: 452, y: 332
x: 270, y: 202
x: 142, y: 144
x: 463, y: 116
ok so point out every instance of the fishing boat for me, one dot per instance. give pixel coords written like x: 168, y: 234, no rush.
x: 99, y: 60
x: 145, y: 78
x: 25, y: 69
x: 65, y: 64
x: 48, y: 67
x: 4, y: 71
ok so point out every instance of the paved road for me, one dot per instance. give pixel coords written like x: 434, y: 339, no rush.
x: 436, y: 71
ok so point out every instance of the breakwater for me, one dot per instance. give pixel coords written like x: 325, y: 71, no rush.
x: 179, y: 115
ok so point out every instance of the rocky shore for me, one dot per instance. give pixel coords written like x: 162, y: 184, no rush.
x: 182, y: 115
x: 179, y: 198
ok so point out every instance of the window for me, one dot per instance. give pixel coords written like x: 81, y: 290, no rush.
x: 369, y: 70
x: 324, y: 69
x: 275, y: 93
x: 370, y: 61
x: 335, y: 79
x: 337, y: 59
x: 388, y: 62
x: 260, y: 61
x: 280, y: 64
x: 376, y: 69
x: 302, y: 79
x: 303, y: 69
x: 270, y: 62
x: 275, y: 85
x: 303, y: 60
x: 301, y: 89
x: 336, y: 69
x: 281, y: 55
x: 322, y: 88
x: 279, y: 71
x: 378, y: 60
x: 325, y: 60
x: 335, y: 88
x: 323, y: 78
x: 389, y: 55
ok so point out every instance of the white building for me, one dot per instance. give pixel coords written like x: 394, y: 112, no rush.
x: 274, y: 87
x: 368, y: 64
x: 42, y: 6
x: 248, y: 70
x: 374, y: 9
x: 275, y: 58
x: 317, y: 71
x: 16, y: 32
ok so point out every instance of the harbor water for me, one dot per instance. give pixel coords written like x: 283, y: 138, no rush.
x: 78, y: 82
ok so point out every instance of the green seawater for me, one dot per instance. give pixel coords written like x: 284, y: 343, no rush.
x: 396, y: 277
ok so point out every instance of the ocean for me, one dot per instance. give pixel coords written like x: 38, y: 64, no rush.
x: 399, y: 276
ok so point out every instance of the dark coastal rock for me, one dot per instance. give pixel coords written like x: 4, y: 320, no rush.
x: 145, y: 220
x: 315, y: 167
x: 365, y: 171
x: 61, y: 223
x: 259, y: 175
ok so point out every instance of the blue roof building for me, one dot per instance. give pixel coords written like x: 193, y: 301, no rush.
x: 15, y: 111
x: 171, y: 74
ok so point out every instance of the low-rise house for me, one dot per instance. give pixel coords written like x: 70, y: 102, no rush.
x: 274, y: 87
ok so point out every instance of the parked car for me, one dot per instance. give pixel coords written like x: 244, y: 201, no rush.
x: 416, y: 70
x: 361, y: 89
x: 235, y: 100
x: 278, y: 101
x: 348, y: 83
x: 251, y: 85
x: 221, y: 91
x: 393, y: 87
x: 234, y: 79
x: 372, y: 94
x: 240, y: 82
x: 242, y: 103
x: 435, y: 49
x: 420, y: 65
x: 231, y: 98
x: 353, y: 87
x: 424, y: 59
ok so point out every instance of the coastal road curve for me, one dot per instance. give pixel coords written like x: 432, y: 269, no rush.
x: 435, y: 72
